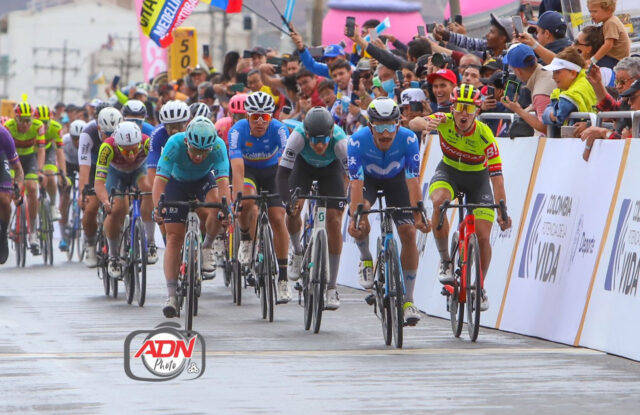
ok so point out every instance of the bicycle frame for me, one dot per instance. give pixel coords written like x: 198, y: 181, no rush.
x: 466, y: 228
x: 386, y: 233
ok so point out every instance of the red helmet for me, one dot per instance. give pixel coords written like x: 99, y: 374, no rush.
x: 467, y: 94
x: 236, y: 104
x: 23, y: 109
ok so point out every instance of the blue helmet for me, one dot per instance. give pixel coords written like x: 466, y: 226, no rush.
x: 201, y: 133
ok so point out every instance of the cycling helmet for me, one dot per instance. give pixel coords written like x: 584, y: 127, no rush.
x: 236, y: 104
x: 467, y: 94
x: 383, y: 109
x: 23, y: 109
x: 76, y: 127
x: 173, y: 112
x: 318, y: 122
x: 199, y: 109
x: 127, y: 133
x: 201, y: 133
x: 134, y: 108
x: 43, y: 113
x: 109, y: 119
x: 144, y: 86
x: 260, y: 102
x: 101, y: 105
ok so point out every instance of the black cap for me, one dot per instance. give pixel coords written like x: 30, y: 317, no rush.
x: 259, y: 50
x: 208, y: 93
x: 495, y: 79
x: 635, y: 86
x: 59, y: 104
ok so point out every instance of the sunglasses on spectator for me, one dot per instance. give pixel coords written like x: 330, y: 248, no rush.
x: 381, y: 128
x: 262, y: 117
x: 462, y: 107
x: 577, y: 43
x: 131, y: 151
x: 622, y: 81
x: 320, y: 139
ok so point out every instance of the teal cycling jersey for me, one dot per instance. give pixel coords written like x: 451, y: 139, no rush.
x: 298, y: 144
x: 175, y: 161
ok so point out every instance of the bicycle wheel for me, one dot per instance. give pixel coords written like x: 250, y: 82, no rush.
x: 190, y: 282
x: 127, y: 253
x: 236, y: 277
x: 456, y: 308
x: 77, y: 229
x: 319, y: 278
x: 43, y: 226
x: 474, y: 287
x: 382, y: 301
x: 102, y: 250
x: 272, y: 272
x: 140, y: 263
x: 396, y: 295
x: 227, y: 260
x: 71, y: 221
x: 307, y: 289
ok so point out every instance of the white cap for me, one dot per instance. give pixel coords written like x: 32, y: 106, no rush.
x: 557, y: 64
x: 412, y: 95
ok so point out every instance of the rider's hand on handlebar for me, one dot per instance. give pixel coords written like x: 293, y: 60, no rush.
x: 107, y: 207
x: 420, y: 224
x: 504, y: 225
x: 363, y: 228
x: 158, y: 216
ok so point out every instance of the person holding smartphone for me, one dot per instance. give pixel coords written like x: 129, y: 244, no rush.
x: 330, y: 55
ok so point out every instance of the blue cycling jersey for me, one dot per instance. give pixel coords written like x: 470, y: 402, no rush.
x: 258, y: 152
x: 159, y: 137
x: 147, y: 128
x: 366, y: 159
x: 176, y: 163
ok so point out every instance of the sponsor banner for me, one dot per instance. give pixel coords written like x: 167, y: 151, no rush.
x: 154, y: 58
x: 609, y: 322
x: 557, y: 251
x: 183, y: 53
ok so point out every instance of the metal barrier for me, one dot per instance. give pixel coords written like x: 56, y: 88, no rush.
x: 509, y: 116
x: 553, y: 131
x: 618, y: 115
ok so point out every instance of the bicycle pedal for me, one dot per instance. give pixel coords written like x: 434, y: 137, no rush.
x: 447, y: 290
x: 370, y: 299
x: 298, y: 286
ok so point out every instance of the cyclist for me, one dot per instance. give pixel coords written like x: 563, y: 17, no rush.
x: 255, y: 147
x: 71, y: 142
x: 470, y: 164
x: 317, y: 150
x: 90, y: 141
x: 8, y: 160
x: 386, y: 157
x: 121, y: 166
x: 193, y: 165
x: 50, y: 155
x: 135, y: 111
x: 199, y: 109
x: 26, y: 132
x: 237, y: 113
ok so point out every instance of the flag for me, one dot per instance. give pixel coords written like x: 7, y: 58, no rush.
x: 288, y: 14
x: 229, y: 6
x: 158, y: 18
x: 99, y: 79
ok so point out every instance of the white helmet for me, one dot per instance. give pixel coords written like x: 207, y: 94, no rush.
x: 200, y: 109
x: 134, y: 108
x: 260, y: 102
x: 109, y: 119
x: 173, y: 112
x: 127, y: 134
x: 76, y: 127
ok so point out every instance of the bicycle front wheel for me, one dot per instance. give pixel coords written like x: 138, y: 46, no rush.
x: 191, y: 265
x: 140, y: 262
x: 396, y: 294
x: 77, y: 230
x: 44, y: 226
x: 474, y: 287
x: 71, y: 221
x: 307, y: 289
x: 270, y: 281
x: 319, y: 278
x: 456, y: 308
x: 102, y: 250
x: 127, y: 252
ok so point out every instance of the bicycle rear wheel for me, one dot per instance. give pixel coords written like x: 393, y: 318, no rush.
x: 307, y: 289
x: 191, y: 282
x: 456, y: 308
x: 474, y: 287
x: 102, y: 249
x: 140, y: 264
x: 129, y: 254
x: 319, y: 278
x: 382, y: 301
x: 71, y: 220
x: 44, y: 225
x: 396, y: 295
x: 236, y: 269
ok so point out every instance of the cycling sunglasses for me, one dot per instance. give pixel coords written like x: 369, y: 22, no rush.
x: 257, y: 116
x: 24, y: 119
x: 130, y: 152
x: 198, y: 152
x: 381, y: 128
x: 320, y: 139
x: 138, y: 121
x: 462, y: 107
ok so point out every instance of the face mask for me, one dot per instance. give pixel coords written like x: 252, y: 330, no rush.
x: 389, y: 85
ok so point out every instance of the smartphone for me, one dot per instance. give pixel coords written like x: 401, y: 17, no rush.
x: 511, y: 90
x: 354, y: 98
x: 491, y: 91
x: 205, y: 51
x: 246, y: 54
x: 415, y: 106
x: 316, y: 53
x: 400, y: 77
x: 355, y: 80
x: 373, y: 34
x: 116, y: 81
x: 431, y: 27
x: 446, y: 22
x: 239, y: 87
x: 517, y: 24
x: 351, y: 26
x: 589, y: 68
x: 241, y: 78
x: 421, y: 31
x: 458, y: 19
x: 274, y: 61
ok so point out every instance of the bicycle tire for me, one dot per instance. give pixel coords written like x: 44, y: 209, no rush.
x: 114, y: 287
x: 140, y: 265
x: 49, y: 237
x: 24, y: 233
x: 126, y: 253
x: 271, y: 269
x: 474, y: 287
x: 227, y: 260
x: 77, y: 229
x: 102, y: 249
x: 456, y: 308
x: 42, y: 230
x: 383, y: 301
x: 236, y: 282
x: 396, y: 296
x: 190, y: 282
x: 307, y: 292
x: 71, y: 219
x: 319, y: 279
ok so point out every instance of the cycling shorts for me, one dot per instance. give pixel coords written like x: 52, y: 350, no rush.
x: 6, y: 185
x: 30, y: 166
x: 121, y: 181
x: 185, y: 191
x: 50, y: 159
x: 263, y: 179
x: 330, y: 180
x: 475, y: 185
x: 396, y: 194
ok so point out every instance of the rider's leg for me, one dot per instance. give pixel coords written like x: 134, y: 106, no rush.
x: 438, y: 196
x: 212, y: 224
x: 408, y: 258
x: 334, y: 234
x: 175, y: 238
x: 5, y: 214
x: 113, y: 225
x: 65, y: 197
x: 280, y: 238
x: 89, y: 219
x: 363, y: 244
x: 50, y: 184
x: 31, y: 187
x: 294, y: 227
x: 483, y: 231
x: 146, y: 207
x: 246, y: 218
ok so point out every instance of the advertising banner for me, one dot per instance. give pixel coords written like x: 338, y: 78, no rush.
x: 154, y: 58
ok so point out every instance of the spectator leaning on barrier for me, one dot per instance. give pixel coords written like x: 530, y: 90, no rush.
x: 522, y: 61
x: 551, y: 31
x: 574, y: 92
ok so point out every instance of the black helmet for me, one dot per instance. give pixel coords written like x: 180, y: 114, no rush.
x: 102, y: 105
x: 318, y: 122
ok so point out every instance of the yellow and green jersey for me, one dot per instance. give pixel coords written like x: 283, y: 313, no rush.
x: 26, y: 142
x: 53, y: 134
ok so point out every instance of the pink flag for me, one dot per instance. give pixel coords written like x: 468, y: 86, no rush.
x: 154, y: 58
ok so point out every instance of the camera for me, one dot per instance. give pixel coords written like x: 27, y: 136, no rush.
x: 439, y: 60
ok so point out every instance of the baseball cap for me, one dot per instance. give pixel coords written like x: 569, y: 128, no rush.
x: 333, y: 51
x: 495, y: 79
x: 412, y: 95
x: 199, y: 69
x: 491, y: 64
x: 557, y: 64
x: 446, y: 74
x: 259, y: 50
x: 363, y: 65
x: 504, y: 23
x: 553, y: 22
x: 517, y: 56
x: 635, y: 86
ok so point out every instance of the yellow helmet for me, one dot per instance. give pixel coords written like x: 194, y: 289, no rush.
x: 43, y: 113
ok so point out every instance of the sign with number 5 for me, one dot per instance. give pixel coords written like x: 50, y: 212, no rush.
x: 183, y: 52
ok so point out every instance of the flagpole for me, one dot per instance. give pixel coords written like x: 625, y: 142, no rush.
x: 265, y: 19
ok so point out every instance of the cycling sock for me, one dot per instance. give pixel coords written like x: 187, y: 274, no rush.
x: 245, y: 235
x: 91, y: 240
x: 208, y: 241
x: 443, y: 248
x: 150, y: 230
x: 363, y: 246
x: 334, y: 265
x: 172, y: 288
x: 295, y: 243
x: 409, y: 283
x: 113, y: 247
x: 282, y: 266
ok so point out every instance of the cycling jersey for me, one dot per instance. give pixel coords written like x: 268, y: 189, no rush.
x: 223, y: 125
x: 8, y: 157
x: 365, y: 159
x: 89, y: 144
x: 110, y: 156
x: 53, y: 134
x: 474, y: 151
x: 258, y: 152
x: 298, y: 143
x: 159, y: 138
x: 26, y: 142
x: 70, y: 150
x: 175, y: 161
x: 147, y: 128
